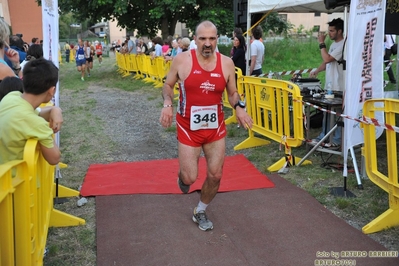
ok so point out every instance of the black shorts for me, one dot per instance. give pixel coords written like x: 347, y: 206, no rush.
x: 98, y: 55
x: 89, y: 59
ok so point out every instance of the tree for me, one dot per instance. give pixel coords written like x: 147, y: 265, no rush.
x: 150, y: 16
x: 276, y: 24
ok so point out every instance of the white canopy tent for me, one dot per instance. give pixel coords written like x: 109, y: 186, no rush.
x: 286, y: 6
x: 290, y: 6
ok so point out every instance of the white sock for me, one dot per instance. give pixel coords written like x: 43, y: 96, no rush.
x: 201, y: 206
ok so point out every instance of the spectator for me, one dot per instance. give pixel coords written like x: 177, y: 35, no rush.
x: 19, y: 120
x: 257, y: 52
x: 193, y: 45
x: 173, y: 52
x: 17, y: 44
x: 236, y: 32
x: 67, y: 49
x: 12, y: 55
x: 179, y: 48
x: 185, y: 44
x: 142, y: 47
x: 35, y: 51
x: 9, y: 84
x: 239, y: 53
x: 157, y: 41
x: 131, y: 46
x: 166, y: 47
x: 34, y: 41
x: 124, y: 49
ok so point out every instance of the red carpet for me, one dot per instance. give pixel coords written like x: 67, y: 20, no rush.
x: 159, y: 177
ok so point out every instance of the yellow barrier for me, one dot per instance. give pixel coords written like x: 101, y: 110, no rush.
x: 225, y: 98
x: 122, y: 64
x: 72, y: 55
x: 153, y: 71
x: 26, y: 208
x: 160, y: 71
x: 388, y: 183
x: 150, y: 70
x: 132, y: 67
x: 276, y: 109
x: 59, y: 57
x: 139, y: 67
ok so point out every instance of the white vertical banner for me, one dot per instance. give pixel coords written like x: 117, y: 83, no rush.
x: 50, y: 35
x: 50, y: 41
x: 364, y: 66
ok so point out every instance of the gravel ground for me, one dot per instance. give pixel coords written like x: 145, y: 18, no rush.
x: 138, y: 134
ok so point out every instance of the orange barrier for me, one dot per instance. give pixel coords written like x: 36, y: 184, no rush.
x: 276, y: 109
x: 388, y: 182
x: 26, y: 208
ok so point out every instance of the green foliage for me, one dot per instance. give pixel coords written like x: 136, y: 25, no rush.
x: 276, y: 24
x: 150, y: 16
x: 300, y: 28
x: 225, y: 49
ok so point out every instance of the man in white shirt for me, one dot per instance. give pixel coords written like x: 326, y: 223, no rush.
x: 193, y: 45
x: 335, y: 79
x: 257, y: 52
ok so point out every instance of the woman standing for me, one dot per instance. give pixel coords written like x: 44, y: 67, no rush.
x: 239, y: 53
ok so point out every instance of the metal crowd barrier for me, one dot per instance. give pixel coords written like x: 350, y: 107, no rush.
x: 26, y: 208
x: 388, y: 182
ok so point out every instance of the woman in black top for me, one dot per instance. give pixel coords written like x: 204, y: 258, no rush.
x: 239, y: 53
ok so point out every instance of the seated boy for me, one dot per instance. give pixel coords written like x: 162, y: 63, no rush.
x: 20, y: 119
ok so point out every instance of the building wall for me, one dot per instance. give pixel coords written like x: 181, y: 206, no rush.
x: 25, y: 18
x: 116, y: 33
x: 310, y: 20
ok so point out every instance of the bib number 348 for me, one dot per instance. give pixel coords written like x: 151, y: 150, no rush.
x: 204, y: 117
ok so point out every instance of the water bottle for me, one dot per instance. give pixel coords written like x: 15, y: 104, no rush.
x: 329, y: 88
x: 270, y: 75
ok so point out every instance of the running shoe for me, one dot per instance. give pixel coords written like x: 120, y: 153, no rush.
x: 183, y: 187
x: 202, y: 220
x: 82, y: 78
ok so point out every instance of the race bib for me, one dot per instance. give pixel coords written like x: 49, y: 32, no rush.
x: 81, y: 56
x: 204, y: 117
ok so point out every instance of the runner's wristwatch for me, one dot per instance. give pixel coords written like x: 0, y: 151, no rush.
x: 240, y: 104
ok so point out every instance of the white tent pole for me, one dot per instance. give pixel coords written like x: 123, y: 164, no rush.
x: 248, y: 37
